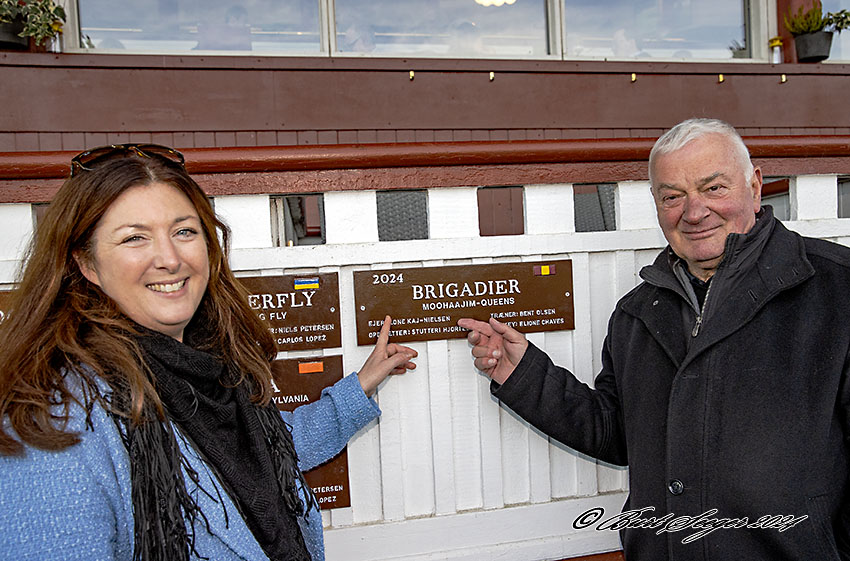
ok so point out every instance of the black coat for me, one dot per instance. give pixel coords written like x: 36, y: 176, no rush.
x: 748, y: 417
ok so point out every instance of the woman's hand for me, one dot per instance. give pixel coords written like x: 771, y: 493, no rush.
x: 386, y: 358
x: 497, y: 348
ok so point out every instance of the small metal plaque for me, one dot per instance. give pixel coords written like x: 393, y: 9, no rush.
x: 426, y: 303
x: 5, y: 296
x: 302, y: 310
x: 300, y: 381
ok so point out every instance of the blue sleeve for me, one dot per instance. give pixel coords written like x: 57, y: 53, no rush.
x: 65, y: 505
x: 322, y: 428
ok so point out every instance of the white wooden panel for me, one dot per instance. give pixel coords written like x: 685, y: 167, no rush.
x: 635, y: 207
x: 442, y: 436
x: 469, y: 248
x: 16, y: 229
x: 583, y: 358
x: 538, y: 531
x: 466, y: 431
x: 515, y: 477
x: 549, y: 209
x: 249, y: 218
x: 540, y: 487
x: 417, y: 451
x: 813, y: 197
x: 350, y: 217
x: 491, y: 446
x: 392, y: 453
x: 364, y: 451
x: 453, y: 213
x: 613, y: 478
x: 562, y: 460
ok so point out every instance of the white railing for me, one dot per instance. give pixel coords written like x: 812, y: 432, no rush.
x: 446, y: 473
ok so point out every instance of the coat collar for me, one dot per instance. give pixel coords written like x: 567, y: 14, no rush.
x: 751, y: 275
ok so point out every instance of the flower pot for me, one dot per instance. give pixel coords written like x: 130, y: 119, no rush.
x: 9, y: 35
x: 813, y: 47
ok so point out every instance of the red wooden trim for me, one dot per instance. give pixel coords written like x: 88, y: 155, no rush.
x: 775, y: 187
x: 36, y: 176
x: 47, y: 165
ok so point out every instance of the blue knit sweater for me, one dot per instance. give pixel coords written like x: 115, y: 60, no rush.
x: 76, y: 504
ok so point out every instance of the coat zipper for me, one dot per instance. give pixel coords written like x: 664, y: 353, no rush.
x: 698, y: 323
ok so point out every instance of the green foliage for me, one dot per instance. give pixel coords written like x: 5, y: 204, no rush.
x: 805, y: 21
x: 836, y: 21
x: 42, y: 18
x: 812, y: 20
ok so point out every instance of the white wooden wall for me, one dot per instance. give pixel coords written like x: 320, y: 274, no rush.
x: 446, y: 473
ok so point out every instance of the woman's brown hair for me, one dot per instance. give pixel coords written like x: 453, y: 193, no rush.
x: 59, y: 322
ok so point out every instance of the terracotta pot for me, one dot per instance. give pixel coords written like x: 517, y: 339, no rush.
x: 9, y: 38
x: 813, y: 47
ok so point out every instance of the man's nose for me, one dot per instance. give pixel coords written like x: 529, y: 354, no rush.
x: 695, y: 209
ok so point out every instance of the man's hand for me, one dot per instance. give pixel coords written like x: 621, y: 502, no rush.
x: 496, y: 347
x: 386, y: 358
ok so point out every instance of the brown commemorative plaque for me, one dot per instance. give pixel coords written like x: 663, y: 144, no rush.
x: 302, y: 310
x: 425, y: 303
x: 300, y: 381
x: 4, y: 303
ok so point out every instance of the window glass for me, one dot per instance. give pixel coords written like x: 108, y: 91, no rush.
x: 687, y: 29
x: 200, y: 25
x: 840, y: 41
x: 844, y: 197
x: 402, y: 215
x: 594, y: 207
x: 298, y: 220
x: 458, y: 28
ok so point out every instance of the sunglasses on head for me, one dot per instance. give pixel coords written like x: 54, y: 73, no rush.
x: 89, y: 159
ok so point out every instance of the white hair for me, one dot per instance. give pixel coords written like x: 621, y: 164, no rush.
x: 692, y: 129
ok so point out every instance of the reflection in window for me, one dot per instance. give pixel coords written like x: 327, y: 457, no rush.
x: 844, y: 197
x: 461, y: 28
x: 500, y: 211
x: 774, y: 192
x: 402, y: 215
x: 594, y: 207
x: 298, y: 220
x: 840, y: 41
x: 695, y: 29
x: 191, y: 25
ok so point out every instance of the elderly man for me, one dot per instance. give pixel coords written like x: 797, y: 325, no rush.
x: 724, y: 380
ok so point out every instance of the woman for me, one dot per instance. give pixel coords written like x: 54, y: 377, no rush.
x: 135, y: 384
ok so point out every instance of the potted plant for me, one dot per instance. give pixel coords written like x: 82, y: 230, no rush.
x: 25, y: 20
x: 813, y: 31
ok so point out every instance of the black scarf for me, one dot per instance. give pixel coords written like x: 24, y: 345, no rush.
x: 248, y: 447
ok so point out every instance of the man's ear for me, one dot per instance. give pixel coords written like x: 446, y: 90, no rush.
x: 86, y: 268
x: 756, y: 185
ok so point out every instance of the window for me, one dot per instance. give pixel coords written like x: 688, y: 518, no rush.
x: 458, y: 28
x: 298, y: 220
x: 774, y: 192
x: 659, y: 29
x: 201, y: 25
x: 696, y: 29
x: 500, y: 211
x: 844, y: 197
x: 840, y: 41
x: 402, y: 215
x: 594, y: 207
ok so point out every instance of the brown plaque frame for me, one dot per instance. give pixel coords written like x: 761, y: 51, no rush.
x: 425, y: 303
x: 300, y: 382
x: 299, y: 318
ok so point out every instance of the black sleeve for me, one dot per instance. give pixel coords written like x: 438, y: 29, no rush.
x: 553, y: 400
